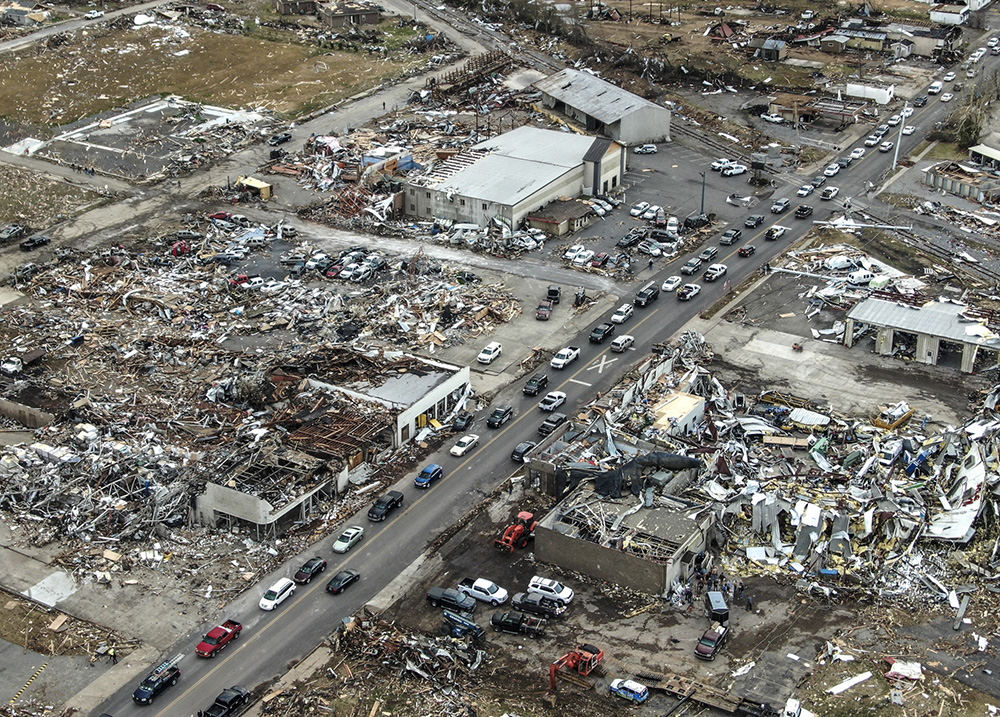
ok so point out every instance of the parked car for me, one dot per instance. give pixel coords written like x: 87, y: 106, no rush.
x: 521, y: 450
x: 574, y: 251
x: 552, y: 401
x: 753, y: 221
x: 464, y: 445
x: 600, y: 260
x: 622, y: 343
x: 651, y: 211
x: 583, y: 258
x: 552, y: 589
x: 312, y: 568
x: 280, y: 138
x: 720, y: 164
x: 348, y: 539
x: 671, y: 284
x: 805, y: 190
x: 780, y: 205
x: 544, y: 311
x: 622, y: 314
x: 536, y: 604
x: 731, y: 236
x: 734, y: 169
x: 645, y: 149
x: 277, y: 594
x: 647, y: 246
x: 629, y: 690
x: 535, y: 384
x: 774, y: 119
x: 747, y: 250
x: 342, y: 580
x: 688, y: 292
x: 711, y: 642
x: 500, y: 415
x: 429, y: 475
x: 451, y: 599
x: 638, y: 209
x: 32, y: 243
x: 463, y: 421
x: 490, y: 352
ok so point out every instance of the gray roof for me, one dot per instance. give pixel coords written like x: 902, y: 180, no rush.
x: 940, y: 319
x: 600, y: 99
x: 773, y: 44
x: 598, y: 149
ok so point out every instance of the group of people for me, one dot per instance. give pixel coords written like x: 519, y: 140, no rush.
x: 80, y: 169
x: 716, y: 582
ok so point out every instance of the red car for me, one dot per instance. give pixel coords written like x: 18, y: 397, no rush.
x: 224, y: 216
x: 311, y: 569
x: 600, y: 260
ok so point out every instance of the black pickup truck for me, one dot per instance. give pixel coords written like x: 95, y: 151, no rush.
x: 517, y: 623
x: 537, y: 605
x: 451, y: 599
x: 385, y: 505
x: 230, y: 702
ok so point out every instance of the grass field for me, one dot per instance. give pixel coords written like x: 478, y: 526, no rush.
x: 96, y: 71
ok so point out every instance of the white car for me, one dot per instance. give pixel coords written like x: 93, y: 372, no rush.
x: 277, y: 594
x: 551, y: 589
x: 638, y: 209
x: 671, y: 284
x: 552, y: 401
x: 858, y: 153
x: 907, y: 112
x: 832, y: 171
x: 733, y: 169
x: 348, y: 539
x: 651, y: 211
x: 829, y: 193
x: 574, y: 251
x: 720, y: 164
x: 464, y: 445
x: 583, y: 258
x: 598, y: 209
x: 490, y: 353
x: 805, y: 190
x: 776, y: 119
x: 993, y: 42
x: 894, y: 120
x: 94, y: 14
x: 673, y: 226
x: 886, y: 146
x: 349, y: 271
x: 622, y: 343
x: 909, y: 129
x: 645, y: 149
x: 623, y: 314
x: 273, y: 287
x: 949, y: 77
x: 947, y: 97
x: 872, y: 140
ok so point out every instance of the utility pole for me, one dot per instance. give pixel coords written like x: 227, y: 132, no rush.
x: 702, y: 193
x: 899, y: 136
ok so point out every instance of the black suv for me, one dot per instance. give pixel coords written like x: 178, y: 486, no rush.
x: 500, y: 415
x: 521, y: 450
x: 280, y: 139
x: 803, y: 211
x: 535, y: 384
x: 920, y: 101
x: 601, y: 332
x: 156, y: 681
x: 552, y: 423
x: 647, y: 294
x: 385, y: 505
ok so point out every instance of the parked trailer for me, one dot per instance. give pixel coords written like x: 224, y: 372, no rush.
x: 692, y: 690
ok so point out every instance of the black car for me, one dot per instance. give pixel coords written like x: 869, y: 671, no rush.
x: 747, y: 250
x: 161, y: 678
x: 385, y: 505
x: 342, y: 580
x: 920, y: 101
x: 730, y: 236
x: 32, y: 243
x: 628, y: 240
x: 647, y: 294
x: 500, y: 415
x: 552, y: 423
x: 521, y: 450
x: 803, y: 211
x: 696, y: 221
x: 754, y: 221
x: 845, y: 162
x: 535, y: 384
x: 310, y: 570
x: 464, y: 277
x: 229, y: 702
x: 463, y: 421
x: 280, y: 139
x: 818, y: 181
x: 601, y: 332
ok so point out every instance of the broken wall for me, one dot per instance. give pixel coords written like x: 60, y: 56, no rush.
x: 25, y: 415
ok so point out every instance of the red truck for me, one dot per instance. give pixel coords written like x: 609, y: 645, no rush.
x: 218, y: 637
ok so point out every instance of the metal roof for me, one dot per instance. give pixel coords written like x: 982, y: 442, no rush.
x: 985, y: 151
x: 503, y: 180
x: 598, y: 148
x: 941, y: 319
x: 598, y: 98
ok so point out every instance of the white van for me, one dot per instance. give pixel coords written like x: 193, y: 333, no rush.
x: 935, y: 88
x: 862, y: 277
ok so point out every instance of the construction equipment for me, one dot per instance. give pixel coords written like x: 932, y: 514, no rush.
x: 579, y: 663
x: 461, y: 626
x: 518, y: 533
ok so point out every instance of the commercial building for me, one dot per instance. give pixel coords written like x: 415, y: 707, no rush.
x: 502, y: 180
x: 345, y: 14
x: 603, y: 108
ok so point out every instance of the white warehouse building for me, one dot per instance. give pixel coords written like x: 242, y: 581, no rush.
x: 511, y: 175
x: 604, y: 108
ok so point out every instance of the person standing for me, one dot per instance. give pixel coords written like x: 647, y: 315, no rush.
x: 749, y: 603
x: 113, y: 655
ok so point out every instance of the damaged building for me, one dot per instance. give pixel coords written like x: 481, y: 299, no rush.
x: 503, y: 179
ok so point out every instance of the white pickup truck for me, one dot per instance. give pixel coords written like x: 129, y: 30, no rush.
x: 483, y: 589
x: 565, y: 357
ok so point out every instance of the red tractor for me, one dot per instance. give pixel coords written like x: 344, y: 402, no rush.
x: 584, y: 660
x: 517, y: 534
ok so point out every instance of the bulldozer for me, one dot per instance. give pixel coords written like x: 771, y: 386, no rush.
x: 575, y: 665
x: 517, y: 534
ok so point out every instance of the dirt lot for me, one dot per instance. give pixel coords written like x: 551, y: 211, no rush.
x: 36, y: 200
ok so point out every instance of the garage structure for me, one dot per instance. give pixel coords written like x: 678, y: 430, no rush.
x: 502, y: 180
x: 934, y: 326
x: 604, y: 108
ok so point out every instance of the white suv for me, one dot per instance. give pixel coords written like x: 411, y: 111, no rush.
x: 551, y: 589
x: 490, y: 352
x: 277, y: 594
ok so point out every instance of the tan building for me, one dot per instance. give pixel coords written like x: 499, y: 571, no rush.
x: 344, y: 14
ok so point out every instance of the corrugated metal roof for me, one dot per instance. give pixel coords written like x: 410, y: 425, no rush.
x: 504, y: 180
x: 939, y: 319
x: 597, y: 150
x: 564, y: 149
x: 602, y: 100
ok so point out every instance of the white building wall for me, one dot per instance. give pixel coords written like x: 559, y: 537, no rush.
x: 646, y: 124
x: 880, y: 95
x: 950, y: 18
